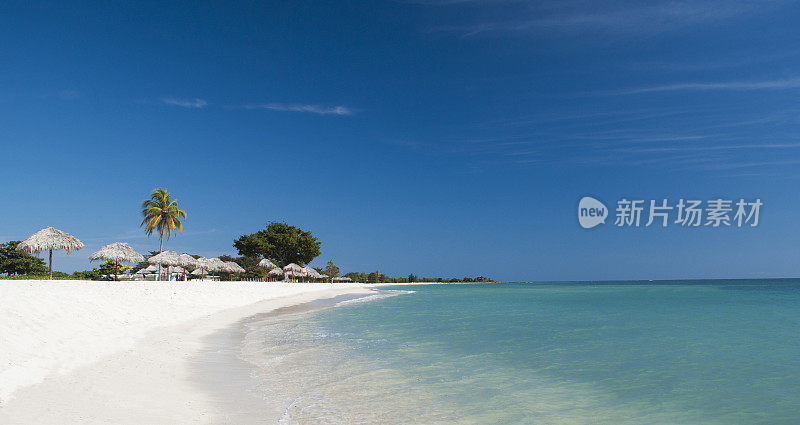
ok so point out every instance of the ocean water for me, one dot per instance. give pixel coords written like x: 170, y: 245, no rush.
x: 683, y: 352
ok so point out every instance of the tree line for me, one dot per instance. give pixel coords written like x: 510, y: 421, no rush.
x: 378, y: 277
x: 279, y: 242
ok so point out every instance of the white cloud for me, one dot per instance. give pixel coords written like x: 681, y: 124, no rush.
x: 624, y: 17
x: 184, y: 103
x: 708, y: 86
x: 314, y: 109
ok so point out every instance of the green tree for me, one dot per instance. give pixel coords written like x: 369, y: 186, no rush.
x: 331, y: 269
x: 373, y: 277
x: 86, y: 274
x: 280, y: 242
x: 412, y: 277
x: 357, y: 277
x: 13, y: 262
x: 161, y: 213
x: 112, y: 268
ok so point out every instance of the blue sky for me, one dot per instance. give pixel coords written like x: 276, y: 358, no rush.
x: 445, y: 138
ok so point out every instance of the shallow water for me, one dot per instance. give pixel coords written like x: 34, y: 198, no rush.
x: 713, y: 352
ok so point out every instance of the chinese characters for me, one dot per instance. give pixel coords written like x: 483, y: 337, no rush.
x: 688, y: 213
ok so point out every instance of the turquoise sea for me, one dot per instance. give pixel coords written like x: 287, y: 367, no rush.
x: 670, y: 352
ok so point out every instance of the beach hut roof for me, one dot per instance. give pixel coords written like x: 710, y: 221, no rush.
x: 266, y: 264
x: 165, y: 258
x: 118, y: 252
x: 49, y: 239
x: 276, y: 272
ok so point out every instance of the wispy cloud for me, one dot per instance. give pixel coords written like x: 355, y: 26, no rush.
x: 572, y: 17
x: 757, y: 146
x: 754, y: 164
x: 197, y: 103
x: 313, y: 109
x: 184, y: 103
x: 789, y: 83
x: 63, y: 95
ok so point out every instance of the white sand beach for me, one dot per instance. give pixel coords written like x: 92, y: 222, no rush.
x: 106, y: 352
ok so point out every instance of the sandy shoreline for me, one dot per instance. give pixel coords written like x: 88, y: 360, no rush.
x: 99, y: 352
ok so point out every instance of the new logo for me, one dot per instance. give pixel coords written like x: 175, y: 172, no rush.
x: 591, y: 212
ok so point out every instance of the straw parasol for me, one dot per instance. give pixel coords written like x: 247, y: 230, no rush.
x: 202, y: 266
x: 311, y: 272
x: 187, y: 260
x: 292, y: 269
x: 117, y: 252
x: 234, y: 268
x: 216, y: 265
x: 49, y: 239
x: 266, y: 264
x: 296, y: 273
x: 165, y: 258
x: 151, y: 269
x: 276, y: 272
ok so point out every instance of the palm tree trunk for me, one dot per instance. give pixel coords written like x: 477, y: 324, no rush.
x: 51, y: 264
x: 160, y: 250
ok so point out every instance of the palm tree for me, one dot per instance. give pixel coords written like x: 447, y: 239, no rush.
x: 161, y: 213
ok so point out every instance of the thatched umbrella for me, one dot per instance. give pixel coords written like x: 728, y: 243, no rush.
x: 187, y: 260
x: 311, y: 272
x: 292, y: 269
x: 266, y: 264
x: 276, y: 272
x: 49, y: 239
x: 165, y: 258
x: 202, y: 266
x: 233, y: 267
x: 296, y: 273
x: 117, y: 252
x: 151, y: 269
x: 216, y: 265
